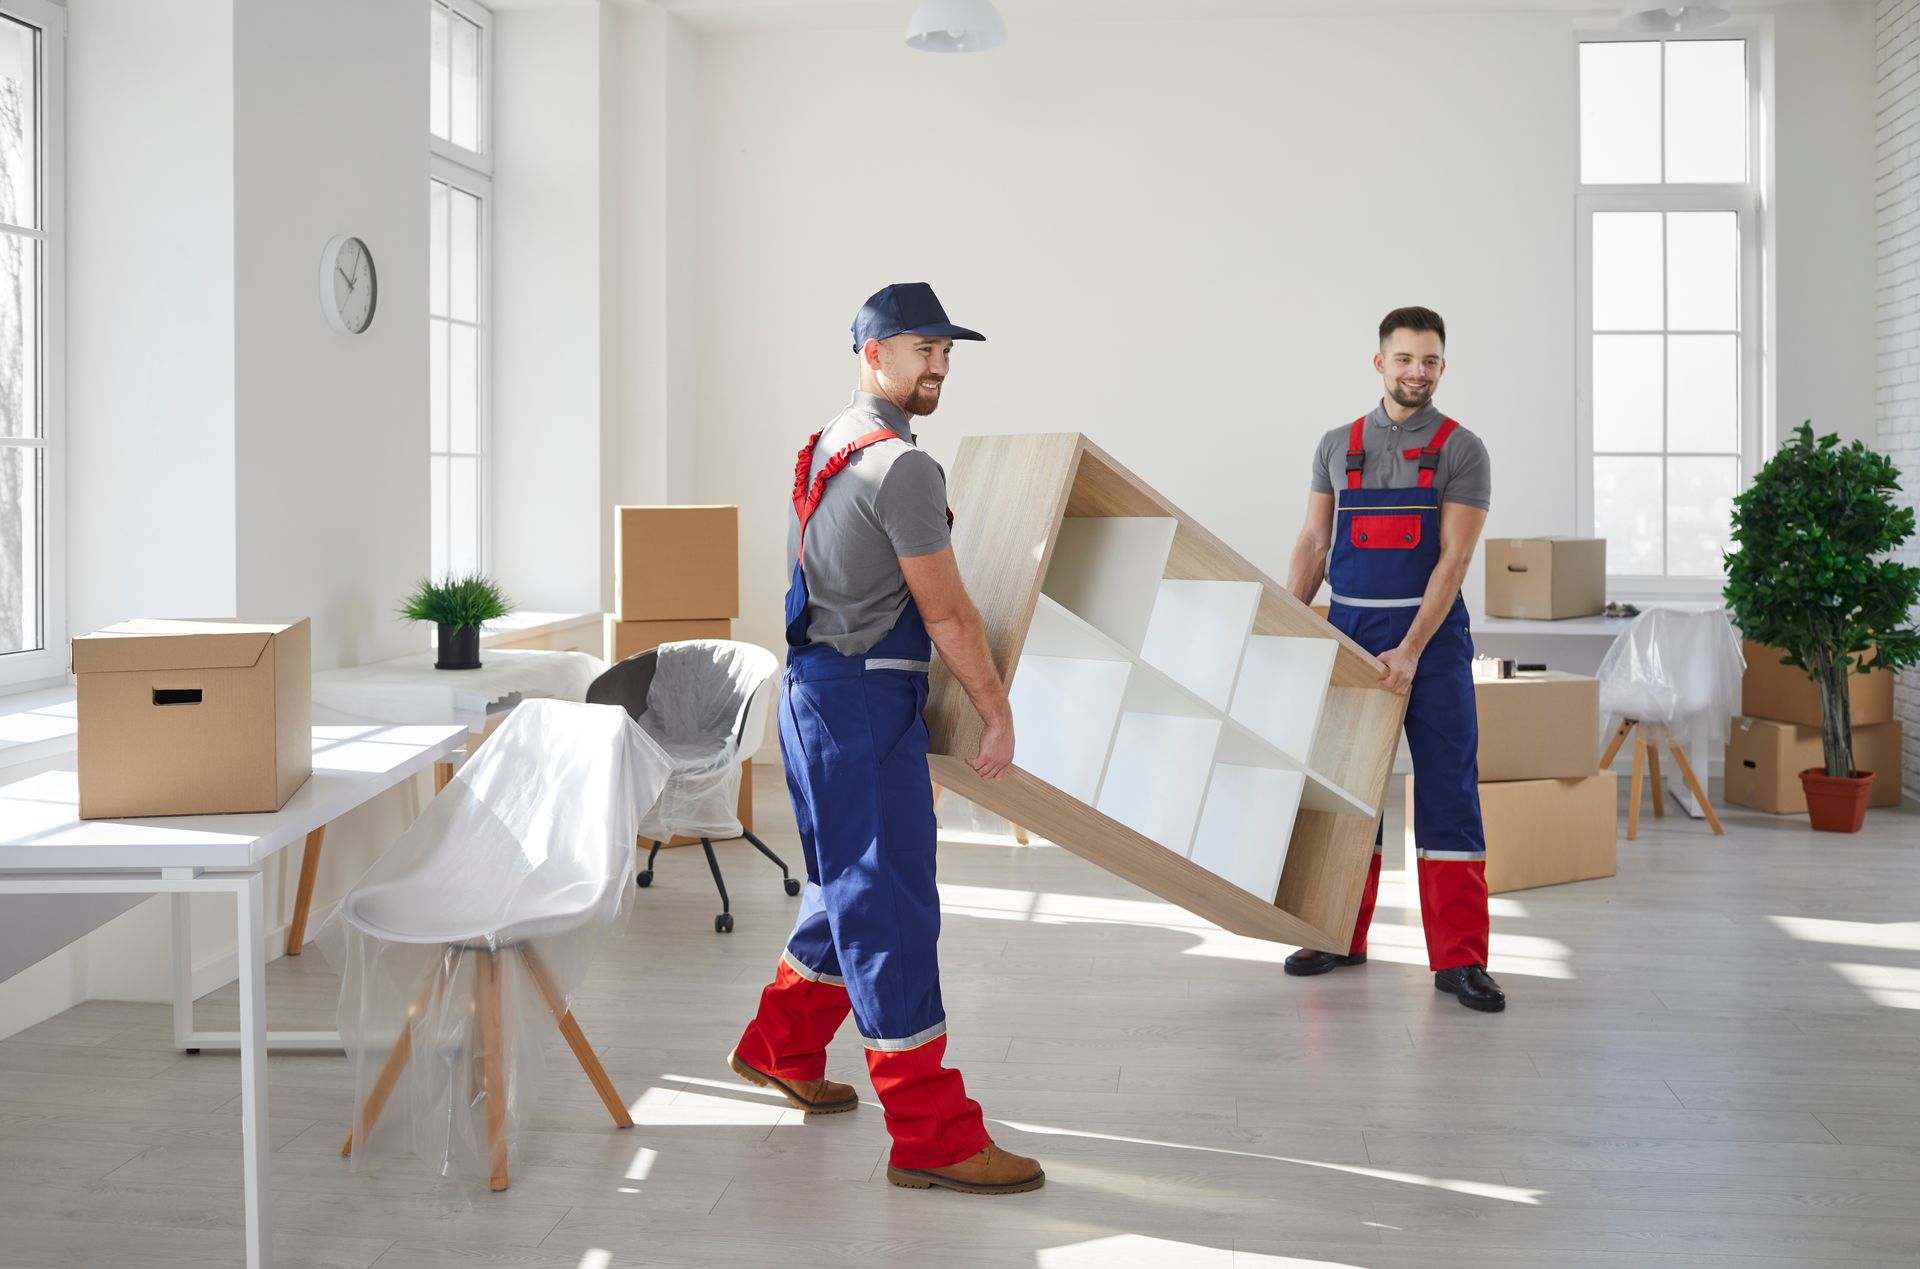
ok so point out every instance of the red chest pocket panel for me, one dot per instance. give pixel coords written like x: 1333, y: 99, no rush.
x: 1384, y: 533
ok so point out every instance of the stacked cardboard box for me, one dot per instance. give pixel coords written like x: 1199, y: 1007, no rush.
x: 1549, y: 812
x: 676, y: 575
x: 1546, y: 579
x: 1777, y: 735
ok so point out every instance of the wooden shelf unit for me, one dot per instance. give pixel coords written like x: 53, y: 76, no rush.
x: 1180, y: 719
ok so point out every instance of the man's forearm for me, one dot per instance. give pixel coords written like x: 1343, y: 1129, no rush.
x: 1306, y: 571
x: 962, y: 642
x: 1442, y: 587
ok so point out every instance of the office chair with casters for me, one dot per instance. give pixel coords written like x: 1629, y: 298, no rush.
x: 705, y: 702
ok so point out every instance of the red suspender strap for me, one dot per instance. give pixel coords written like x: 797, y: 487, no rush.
x: 1356, y: 452
x: 806, y: 499
x: 1430, y: 455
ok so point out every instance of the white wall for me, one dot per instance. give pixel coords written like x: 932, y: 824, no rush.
x: 651, y: 136
x: 1825, y: 268
x: 331, y: 468
x: 150, y: 302
x: 1897, y: 241
x: 1179, y: 238
x: 547, y: 456
x: 230, y: 454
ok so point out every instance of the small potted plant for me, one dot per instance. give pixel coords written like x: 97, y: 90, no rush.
x: 458, y: 605
x: 1812, y: 575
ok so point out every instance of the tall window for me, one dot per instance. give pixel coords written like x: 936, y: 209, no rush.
x: 459, y: 192
x: 31, y: 616
x: 1669, y: 397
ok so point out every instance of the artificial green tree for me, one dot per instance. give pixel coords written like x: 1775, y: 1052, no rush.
x: 1812, y: 572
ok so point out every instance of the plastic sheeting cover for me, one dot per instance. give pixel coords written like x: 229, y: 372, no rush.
x: 460, y: 947
x: 1675, y: 670
x: 697, y: 709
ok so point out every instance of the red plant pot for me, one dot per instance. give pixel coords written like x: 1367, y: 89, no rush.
x: 1836, y: 804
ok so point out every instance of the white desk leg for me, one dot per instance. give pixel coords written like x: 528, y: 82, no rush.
x: 182, y: 969
x: 250, y: 900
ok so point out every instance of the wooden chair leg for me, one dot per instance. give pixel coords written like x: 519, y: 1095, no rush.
x: 1699, y: 793
x: 938, y: 789
x: 397, y: 1060
x: 1653, y: 775
x: 442, y: 776
x: 486, y: 1000
x: 303, y: 899
x: 1606, y: 759
x: 577, y: 1041
x: 1019, y: 834
x: 1633, y: 793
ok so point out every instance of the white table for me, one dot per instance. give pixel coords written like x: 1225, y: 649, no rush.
x: 1577, y: 645
x: 45, y: 848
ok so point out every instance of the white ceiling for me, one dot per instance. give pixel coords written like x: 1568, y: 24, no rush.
x: 736, y: 15
x: 747, y: 15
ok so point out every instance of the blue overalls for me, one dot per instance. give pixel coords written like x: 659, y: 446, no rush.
x: 855, y: 748
x: 1386, y: 544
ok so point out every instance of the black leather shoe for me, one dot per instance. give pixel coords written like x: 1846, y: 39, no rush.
x: 1474, y: 986
x: 1306, y: 962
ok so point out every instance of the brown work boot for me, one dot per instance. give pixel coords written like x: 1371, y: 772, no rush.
x: 815, y: 1097
x: 992, y: 1171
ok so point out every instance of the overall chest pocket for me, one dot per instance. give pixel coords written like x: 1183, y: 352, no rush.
x: 1384, y: 533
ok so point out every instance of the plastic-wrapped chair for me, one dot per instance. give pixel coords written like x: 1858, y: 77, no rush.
x: 705, y: 701
x: 508, y: 881
x: 1675, y: 675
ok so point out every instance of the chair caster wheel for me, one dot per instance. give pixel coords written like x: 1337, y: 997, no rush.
x: 793, y: 885
x: 723, y: 924
x: 194, y: 1052
x: 644, y: 878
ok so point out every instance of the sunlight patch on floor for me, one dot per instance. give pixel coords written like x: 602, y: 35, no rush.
x: 1478, y: 1189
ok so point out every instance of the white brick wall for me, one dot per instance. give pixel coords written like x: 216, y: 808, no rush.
x: 1897, y: 300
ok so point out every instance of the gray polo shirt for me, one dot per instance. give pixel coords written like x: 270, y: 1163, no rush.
x: 1393, y: 460
x: 890, y: 501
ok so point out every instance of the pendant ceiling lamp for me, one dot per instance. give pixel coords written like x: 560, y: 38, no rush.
x: 1673, y: 15
x: 955, y: 26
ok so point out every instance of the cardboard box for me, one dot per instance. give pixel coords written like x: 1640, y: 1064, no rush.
x: 1765, y: 759
x: 1546, y: 579
x: 676, y: 563
x: 1538, y: 726
x: 1545, y: 832
x: 626, y: 638
x: 193, y: 717
x: 1786, y: 694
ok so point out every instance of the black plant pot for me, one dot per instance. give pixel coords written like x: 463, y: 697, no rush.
x: 459, y: 648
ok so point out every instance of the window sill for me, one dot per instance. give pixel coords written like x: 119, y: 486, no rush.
x: 37, y: 726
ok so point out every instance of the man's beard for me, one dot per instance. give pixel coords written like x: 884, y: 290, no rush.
x: 1409, y: 401
x: 921, y: 403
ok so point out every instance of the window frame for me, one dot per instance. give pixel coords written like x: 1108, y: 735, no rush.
x: 1749, y: 201
x: 480, y: 160
x: 47, y: 665
x: 457, y: 177
x: 471, y: 172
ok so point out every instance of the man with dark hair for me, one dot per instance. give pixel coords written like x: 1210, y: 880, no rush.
x: 1395, y: 542
x: 874, y: 590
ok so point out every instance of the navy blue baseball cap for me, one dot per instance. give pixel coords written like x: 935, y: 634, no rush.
x: 905, y: 308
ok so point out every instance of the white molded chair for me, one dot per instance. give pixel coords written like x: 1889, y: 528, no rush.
x: 522, y: 859
x: 705, y: 701
x: 1671, y: 673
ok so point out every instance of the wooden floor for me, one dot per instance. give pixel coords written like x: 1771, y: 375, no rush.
x: 1711, y: 1061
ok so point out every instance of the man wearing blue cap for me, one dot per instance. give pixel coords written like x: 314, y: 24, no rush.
x: 874, y: 590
